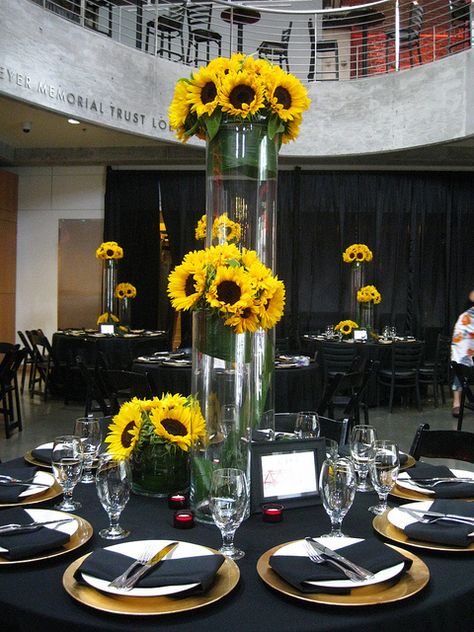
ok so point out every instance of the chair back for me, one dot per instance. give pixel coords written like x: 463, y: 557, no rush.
x: 199, y: 16
x: 173, y: 19
x: 337, y: 357
x: 336, y: 429
x: 443, y: 444
x: 459, y: 11
x: 443, y: 356
x: 286, y: 33
x: 415, y: 21
x: 407, y: 356
x: 26, y: 343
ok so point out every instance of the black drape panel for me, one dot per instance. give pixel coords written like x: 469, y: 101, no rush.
x: 132, y: 219
x: 419, y: 226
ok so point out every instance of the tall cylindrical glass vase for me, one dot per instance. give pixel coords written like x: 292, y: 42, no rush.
x: 357, y: 281
x: 109, y: 281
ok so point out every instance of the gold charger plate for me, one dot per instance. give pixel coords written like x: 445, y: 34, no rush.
x: 407, y: 494
x: 29, y: 458
x: 383, y: 526
x: 82, y: 534
x: 226, y: 580
x: 42, y: 496
x: 410, y: 462
x: 408, y: 585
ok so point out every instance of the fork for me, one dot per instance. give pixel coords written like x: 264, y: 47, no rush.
x: 142, y: 559
x: 428, y: 483
x: 434, y: 520
x: 319, y: 559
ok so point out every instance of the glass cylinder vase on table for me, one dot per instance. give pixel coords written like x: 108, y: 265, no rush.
x: 125, y: 311
x: 109, y: 281
x: 159, y: 470
x: 366, y: 316
x: 357, y: 281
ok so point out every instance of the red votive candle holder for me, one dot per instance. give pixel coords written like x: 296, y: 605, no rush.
x: 272, y: 513
x: 177, y: 501
x: 183, y: 519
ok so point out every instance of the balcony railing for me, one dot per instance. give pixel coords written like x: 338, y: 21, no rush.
x: 327, y: 44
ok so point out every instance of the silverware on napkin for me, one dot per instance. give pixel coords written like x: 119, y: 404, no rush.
x: 420, y: 513
x: 9, y: 529
x: 156, y: 559
x: 363, y: 573
x: 433, y: 482
x: 22, y: 484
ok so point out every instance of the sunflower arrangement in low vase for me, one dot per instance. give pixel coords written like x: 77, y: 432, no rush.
x: 156, y: 436
x: 367, y: 297
x: 125, y: 292
x: 346, y: 327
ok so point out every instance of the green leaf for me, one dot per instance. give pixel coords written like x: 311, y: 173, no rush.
x: 275, y: 126
x: 213, y: 123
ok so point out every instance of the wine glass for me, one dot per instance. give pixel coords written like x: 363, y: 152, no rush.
x: 362, y: 452
x: 337, y: 483
x: 88, y: 429
x: 113, y: 488
x: 67, y: 461
x: 307, y: 425
x: 386, y: 333
x: 384, y: 469
x: 228, y: 503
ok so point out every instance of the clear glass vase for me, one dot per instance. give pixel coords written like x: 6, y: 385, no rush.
x: 125, y: 311
x: 109, y: 281
x: 366, y: 316
x: 357, y: 281
x: 159, y: 470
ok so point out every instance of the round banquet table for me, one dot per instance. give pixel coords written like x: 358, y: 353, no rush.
x: 32, y: 596
x: 296, y: 388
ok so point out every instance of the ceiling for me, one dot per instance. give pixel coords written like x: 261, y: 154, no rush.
x: 54, y: 141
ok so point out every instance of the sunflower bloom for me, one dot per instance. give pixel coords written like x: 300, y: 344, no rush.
x: 231, y: 290
x: 186, y: 285
x: 200, y: 232
x: 173, y: 425
x: 180, y: 106
x: 202, y: 92
x: 286, y: 95
x: 241, y: 94
x: 124, y: 430
x: 244, y: 320
x: 224, y: 229
x: 346, y: 327
x: 271, y: 310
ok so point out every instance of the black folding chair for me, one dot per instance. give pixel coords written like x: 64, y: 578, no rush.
x: 442, y: 444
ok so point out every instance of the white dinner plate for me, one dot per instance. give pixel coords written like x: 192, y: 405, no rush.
x: 178, y: 363
x: 133, y: 550
x: 45, y: 478
x: 298, y: 549
x: 44, y: 515
x: 400, y: 519
x: 404, y: 481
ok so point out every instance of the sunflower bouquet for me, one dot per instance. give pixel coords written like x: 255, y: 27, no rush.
x: 346, y: 327
x: 240, y: 88
x: 234, y: 285
x: 369, y: 293
x: 357, y: 253
x: 109, y: 250
x: 125, y: 290
x: 223, y: 229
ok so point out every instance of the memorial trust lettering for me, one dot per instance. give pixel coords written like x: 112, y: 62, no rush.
x: 80, y: 101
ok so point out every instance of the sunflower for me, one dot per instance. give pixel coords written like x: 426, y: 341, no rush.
x: 271, y: 310
x: 180, y: 106
x: 222, y: 254
x: 224, y: 229
x: 124, y: 431
x: 244, y: 320
x: 231, y: 289
x: 357, y: 252
x: 173, y: 425
x: 369, y: 293
x: 249, y: 257
x: 200, y: 232
x: 241, y: 94
x: 107, y: 317
x: 292, y: 129
x: 261, y: 275
x: 125, y: 290
x: 286, y: 95
x: 202, y: 92
x: 186, y: 284
x: 346, y: 327
x: 109, y: 250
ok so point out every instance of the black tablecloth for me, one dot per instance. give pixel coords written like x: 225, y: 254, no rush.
x: 296, y: 388
x: 32, y: 596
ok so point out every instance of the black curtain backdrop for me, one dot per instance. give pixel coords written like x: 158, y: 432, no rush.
x: 419, y: 226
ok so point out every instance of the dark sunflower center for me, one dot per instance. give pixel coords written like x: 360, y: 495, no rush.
x: 189, y: 285
x: 126, y: 437
x: 228, y: 292
x: 247, y: 312
x: 110, y: 252
x: 241, y: 94
x: 208, y: 93
x: 283, y: 97
x: 174, y: 427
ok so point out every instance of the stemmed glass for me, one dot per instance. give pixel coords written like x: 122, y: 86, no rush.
x: 362, y: 452
x: 113, y: 479
x: 67, y: 461
x: 384, y: 469
x: 337, y: 482
x: 88, y: 429
x: 228, y: 503
x: 307, y: 425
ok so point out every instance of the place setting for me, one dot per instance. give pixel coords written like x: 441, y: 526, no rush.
x: 425, y: 480
x: 334, y: 569
x: 26, y: 486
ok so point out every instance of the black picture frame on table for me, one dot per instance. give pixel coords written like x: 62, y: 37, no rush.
x: 360, y: 335
x: 286, y: 472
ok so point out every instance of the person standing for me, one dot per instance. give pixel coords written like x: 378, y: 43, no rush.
x: 462, y: 347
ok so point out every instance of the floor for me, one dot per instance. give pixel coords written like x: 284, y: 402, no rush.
x: 45, y: 420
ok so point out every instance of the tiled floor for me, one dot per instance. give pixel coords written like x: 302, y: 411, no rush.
x: 44, y: 420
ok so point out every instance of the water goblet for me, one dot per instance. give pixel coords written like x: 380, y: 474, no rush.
x: 67, y: 462
x: 228, y: 503
x: 332, y: 449
x: 393, y: 333
x: 386, y: 333
x: 307, y: 425
x: 88, y: 429
x: 113, y: 481
x: 362, y: 452
x: 337, y: 483
x: 384, y: 469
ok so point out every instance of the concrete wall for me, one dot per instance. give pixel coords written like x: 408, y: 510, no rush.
x: 45, y: 196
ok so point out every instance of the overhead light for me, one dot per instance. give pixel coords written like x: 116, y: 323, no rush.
x: 74, y: 121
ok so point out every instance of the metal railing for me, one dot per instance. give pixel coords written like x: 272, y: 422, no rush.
x: 324, y: 44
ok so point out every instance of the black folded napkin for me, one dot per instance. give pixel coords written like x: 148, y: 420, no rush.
x: 443, y: 490
x: 371, y: 554
x: 345, y: 450
x: 42, y: 454
x: 444, y: 532
x: 108, y: 565
x: 11, y: 493
x: 20, y: 546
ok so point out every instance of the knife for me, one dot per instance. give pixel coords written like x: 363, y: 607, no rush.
x: 362, y: 572
x: 10, y: 529
x: 20, y: 484
x: 436, y: 514
x: 156, y: 559
x: 451, y: 479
